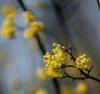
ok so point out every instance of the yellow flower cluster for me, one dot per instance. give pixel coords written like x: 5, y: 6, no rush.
x: 82, y: 62
x: 55, y: 61
x: 31, y: 31
x: 38, y: 24
x: 7, y: 9
x: 8, y: 28
x: 28, y: 17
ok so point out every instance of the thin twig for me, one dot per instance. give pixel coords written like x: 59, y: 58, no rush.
x: 70, y: 52
x: 89, y: 69
x: 86, y: 75
x: 72, y: 77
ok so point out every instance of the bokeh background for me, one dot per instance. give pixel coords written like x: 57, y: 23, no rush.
x: 77, y: 23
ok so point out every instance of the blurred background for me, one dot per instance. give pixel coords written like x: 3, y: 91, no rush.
x: 75, y: 22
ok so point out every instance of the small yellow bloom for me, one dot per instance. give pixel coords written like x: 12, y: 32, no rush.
x: 53, y: 72
x: 28, y: 17
x: 82, y: 88
x: 58, y: 56
x: 11, y: 16
x: 41, y: 74
x: 8, y: 9
x: 8, y: 33
x: 8, y: 28
x: 41, y: 91
x: 55, y: 61
x: 47, y: 58
x: 82, y: 62
x: 35, y: 29
x: 29, y: 33
x: 7, y: 23
x: 40, y: 25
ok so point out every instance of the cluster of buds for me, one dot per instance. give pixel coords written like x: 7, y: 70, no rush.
x: 35, y: 27
x: 8, y: 27
x: 82, y: 62
x: 55, y: 64
x: 55, y: 61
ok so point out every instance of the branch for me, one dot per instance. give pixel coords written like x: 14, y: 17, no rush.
x: 89, y: 69
x: 55, y: 81
x: 70, y: 52
x: 98, y: 4
x: 88, y: 76
x: 71, y: 77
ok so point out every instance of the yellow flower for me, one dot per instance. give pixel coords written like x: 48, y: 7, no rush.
x: 11, y: 16
x: 47, y: 58
x: 8, y: 9
x: 41, y: 91
x: 8, y: 29
x: 28, y: 17
x: 53, y: 72
x: 8, y: 33
x: 58, y: 56
x: 40, y: 25
x: 82, y: 62
x: 54, y: 62
x: 41, y: 74
x: 35, y: 27
x: 82, y: 88
x: 29, y: 33
x: 7, y: 23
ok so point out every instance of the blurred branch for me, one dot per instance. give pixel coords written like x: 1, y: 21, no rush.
x: 36, y: 36
x: 98, y: 4
x: 59, y: 5
x: 22, y: 5
x: 55, y: 81
x: 58, y: 9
